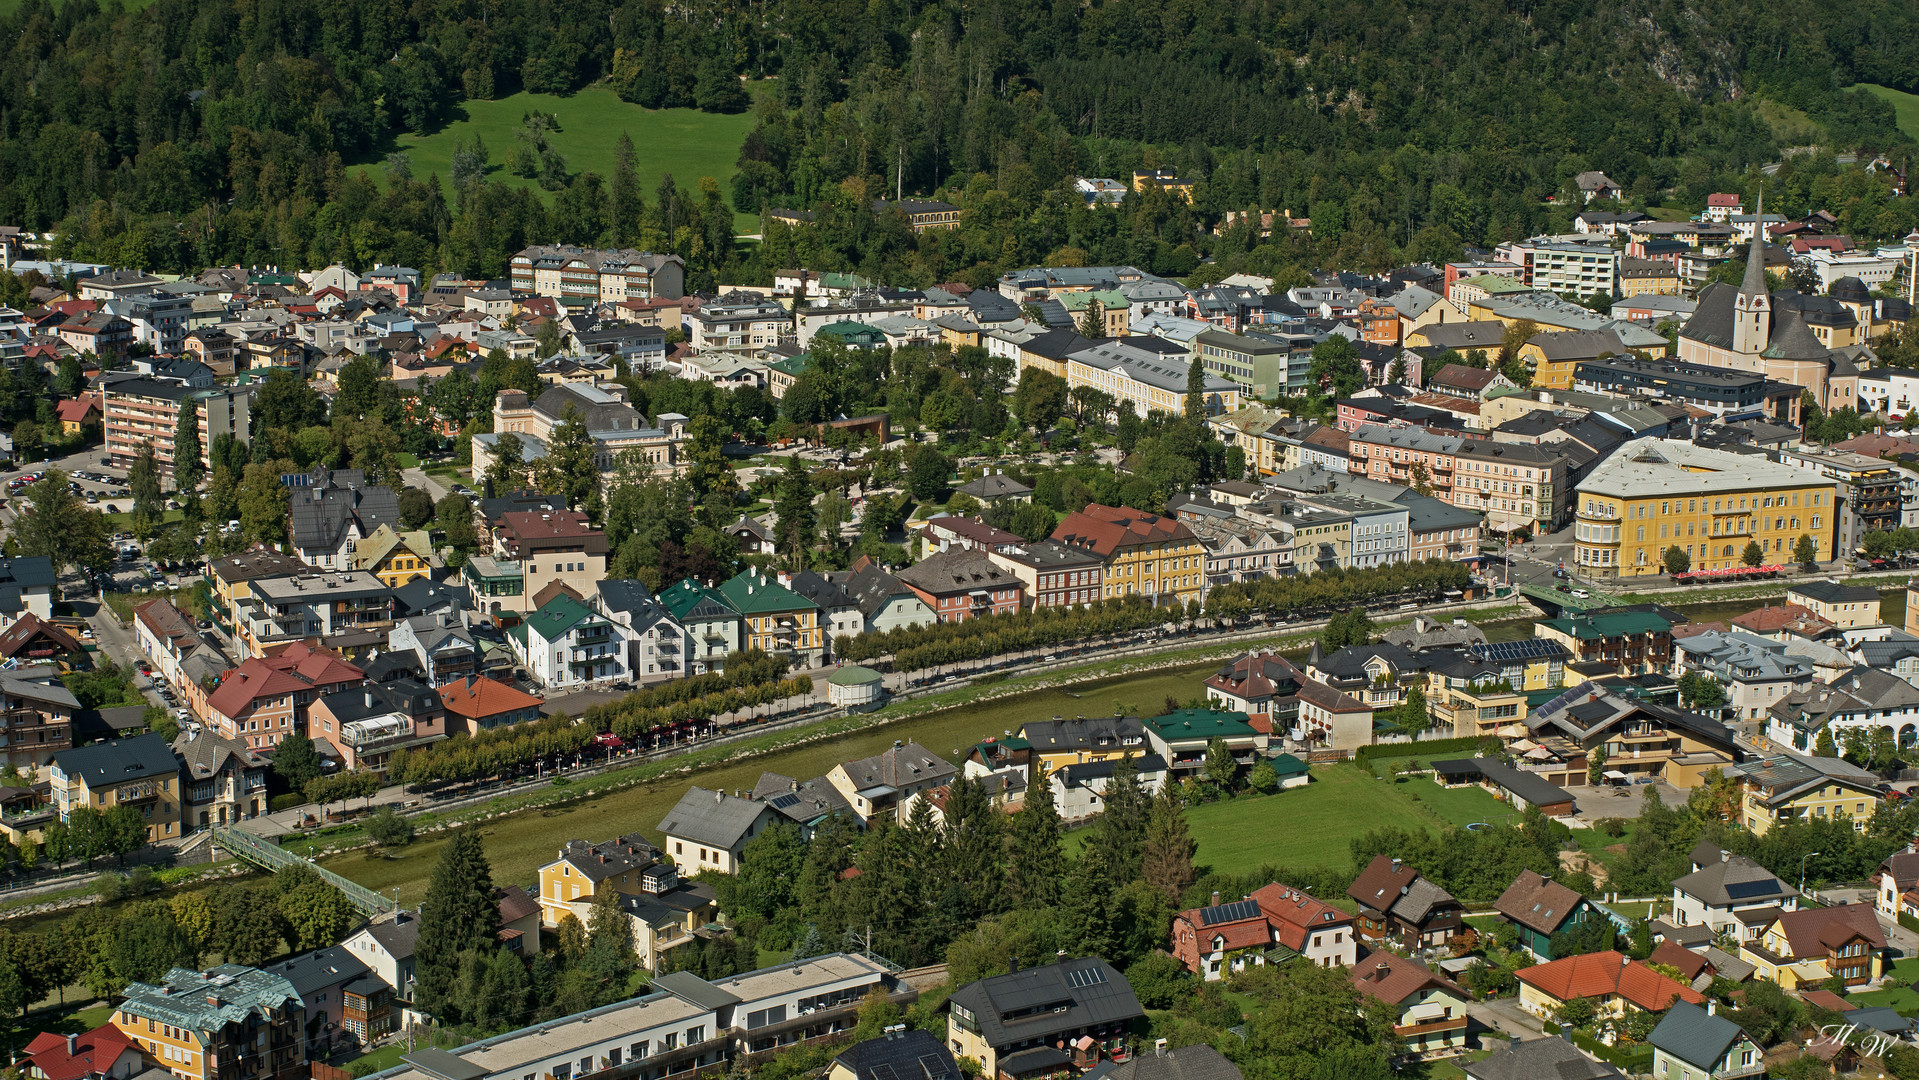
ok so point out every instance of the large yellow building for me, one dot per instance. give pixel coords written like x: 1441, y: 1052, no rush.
x: 776, y: 619
x: 1149, y: 555
x: 197, y: 1025
x: 140, y: 773
x: 232, y: 578
x: 1788, y: 787
x: 1657, y: 494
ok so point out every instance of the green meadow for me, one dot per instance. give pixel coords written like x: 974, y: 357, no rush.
x: 1904, y: 104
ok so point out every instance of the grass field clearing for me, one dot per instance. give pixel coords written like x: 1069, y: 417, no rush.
x: 685, y: 142
x: 1905, y: 105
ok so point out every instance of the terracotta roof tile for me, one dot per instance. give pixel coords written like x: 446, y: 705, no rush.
x: 1604, y: 974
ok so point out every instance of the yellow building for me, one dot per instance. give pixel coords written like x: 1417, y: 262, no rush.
x: 1809, y: 946
x: 1062, y: 742
x: 1639, y: 277
x: 1656, y: 494
x: 395, y: 559
x: 197, y: 1025
x: 140, y: 772
x: 776, y: 619
x: 1552, y: 357
x: 1473, y: 698
x: 1166, y: 180
x: 1796, y: 788
x: 1247, y: 429
x: 622, y: 863
x: 1115, y: 310
x: 1149, y: 555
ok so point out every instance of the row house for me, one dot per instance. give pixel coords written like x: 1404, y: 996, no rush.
x: 362, y: 726
x: 1148, y: 555
x: 656, y: 642
x: 1406, y: 456
x: 1147, y: 380
x: 1516, y: 486
x: 1051, y: 575
x: 962, y: 583
x: 266, y: 699
x: 105, y: 335
x: 585, y: 276
x: 568, y: 644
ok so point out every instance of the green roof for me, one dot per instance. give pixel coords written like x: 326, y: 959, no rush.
x: 854, y: 675
x: 1287, y: 765
x: 792, y: 365
x: 558, y: 616
x: 186, y: 998
x: 1609, y: 624
x: 682, y: 598
x: 851, y: 332
x: 1200, y: 724
x: 756, y: 594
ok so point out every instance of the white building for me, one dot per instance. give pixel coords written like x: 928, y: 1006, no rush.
x: 569, y: 645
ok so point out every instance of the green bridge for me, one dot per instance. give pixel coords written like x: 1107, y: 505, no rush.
x: 271, y: 857
x: 1565, y: 601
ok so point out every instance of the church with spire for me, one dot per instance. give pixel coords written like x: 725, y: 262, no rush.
x: 1747, y: 329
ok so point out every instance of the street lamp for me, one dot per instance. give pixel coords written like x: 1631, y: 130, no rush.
x: 1802, y: 870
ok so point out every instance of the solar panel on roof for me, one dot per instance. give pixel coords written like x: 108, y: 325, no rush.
x: 1233, y: 912
x: 884, y: 1071
x: 1745, y: 890
x: 1522, y: 649
x: 1080, y: 978
x: 932, y: 1066
x: 784, y: 801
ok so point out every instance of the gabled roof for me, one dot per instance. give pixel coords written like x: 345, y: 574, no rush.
x: 1391, y: 886
x: 1814, y: 932
x: 561, y: 613
x: 1733, y: 880
x: 1105, y: 529
x: 898, y: 766
x: 1538, y: 903
x: 118, y: 761
x: 1392, y: 979
x: 712, y: 817
x: 1695, y: 1036
x: 1195, y: 1062
x: 912, y: 1054
x: 1541, y: 1059
x: 751, y: 593
x: 476, y: 697
x: 94, y: 1053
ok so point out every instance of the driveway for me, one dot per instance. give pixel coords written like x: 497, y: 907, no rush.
x: 1607, y: 801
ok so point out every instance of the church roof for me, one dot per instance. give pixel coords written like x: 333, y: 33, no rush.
x: 1792, y: 339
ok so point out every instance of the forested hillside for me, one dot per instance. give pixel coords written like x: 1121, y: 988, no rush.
x: 206, y: 131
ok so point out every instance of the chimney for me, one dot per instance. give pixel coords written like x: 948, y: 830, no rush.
x: 1059, y: 957
x: 73, y: 1045
x: 1712, y: 1008
x: 719, y: 797
x: 1215, y: 897
x: 1159, y: 1047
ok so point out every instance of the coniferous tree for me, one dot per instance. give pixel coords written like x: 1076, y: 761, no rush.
x: 187, y: 470
x: 1196, y: 390
x: 1037, y: 865
x: 1167, y: 859
x: 1085, y: 917
x: 458, y: 915
x: 1122, y: 828
x: 975, y: 847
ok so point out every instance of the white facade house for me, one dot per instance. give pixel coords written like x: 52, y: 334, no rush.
x: 1729, y: 893
x: 567, y: 644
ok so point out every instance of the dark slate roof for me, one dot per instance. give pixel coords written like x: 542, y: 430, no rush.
x: 1196, y: 1062
x: 423, y: 596
x: 691, y: 988
x: 913, y: 1054
x: 315, y: 971
x: 318, y: 513
x: 820, y: 589
x: 1541, y: 1059
x: 1712, y: 319
x: 1066, y: 996
x: 1694, y: 1036
x: 119, y: 760
x: 1792, y: 339
x: 623, y: 595
x: 873, y: 588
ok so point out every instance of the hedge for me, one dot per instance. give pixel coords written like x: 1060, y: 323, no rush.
x: 1363, y: 757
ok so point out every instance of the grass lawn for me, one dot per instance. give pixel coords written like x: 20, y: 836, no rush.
x: 685, y: 142
x: 1905, y: 105
x: 1447, y: 1070
x: 1899, y: 993
x: 1594, y: 843
x: 1459, y: 806
x: 408, y: 461
x: 125, y: 521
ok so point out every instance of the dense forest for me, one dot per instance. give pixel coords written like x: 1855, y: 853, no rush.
x: 194, y: 132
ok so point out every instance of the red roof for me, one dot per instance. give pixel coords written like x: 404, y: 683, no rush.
x: 1105, y: 529
x: 1606, y: 973
x: 294, y: 669
x: 1246, y: 933
x: 1770, y: 618
x: 1295, y: 914
x: 76, y: 410
x: 94, y: 1053
x: 475, y: 698
x: 1674, y: 955
x: 1722, y: 199
x: 1393, y: 979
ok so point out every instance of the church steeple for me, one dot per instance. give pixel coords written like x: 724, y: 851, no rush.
x: 1752, y: 308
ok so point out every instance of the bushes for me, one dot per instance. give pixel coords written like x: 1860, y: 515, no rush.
x: 1363, y: 757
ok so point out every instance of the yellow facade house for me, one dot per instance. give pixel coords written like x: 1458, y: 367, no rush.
x: 1812, y: 945
x: 1149, y: 555
x: 140, y: 773
x: 394, y: 558
x: 1656, y: 494
x: 1789, y: 787
x: 197, y: 1025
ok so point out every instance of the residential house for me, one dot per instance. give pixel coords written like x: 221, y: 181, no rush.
x: 265, y: 699
x: 1079, y: 789
x: 885, y: 602
x: 962, y: 583
x: 1429, y: 1011
x: 232, y: 578
x: 1730, y: 894
x: 331, y: 511
x: 1788, y: 787
x: 1276, y: 922
x: 656, y: 643
x: 888, y: 782
x: 1897, y: 874
x: 1039, y: 1021
x: 1399, y: 905
x: 774, y: 618
x: 1331, y: 718
x: 1861, y: 700
x: 1062, y: 742
x: 176, y: 648
x: 1183, y: 738
x: 105, y: 1053
x: 140, y: 772
x: 1539, y: 907
x: 1808, y: 946
x: 581, y: 868
x: 363, y: 726
x: 1612, y: 981
x: 707, y: 830
x: 712, y: 628
x: 385, y: 945
x: 321, y: 978
x: 1631, y: 642
x: 1689, y: 1037
x: 663, y: 912
x: 198, y: 1024
x: 339, y: 609
x: 1756, y: 673
x: 222, y: 781
x: 445, y: 649
x: 1144, y: 554
x: 476, y: 703
x: 1551, y: 1056
x: 551, y: 546
x: 37, y: 712
x: 395, y: 559
x: 839, y: 615
x: 1844, y: 606
x: 1637, y: 738
x: 901, y: 1053
x: 567, y: 644
x: 1051, y: 574
x: 1263, y: 685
